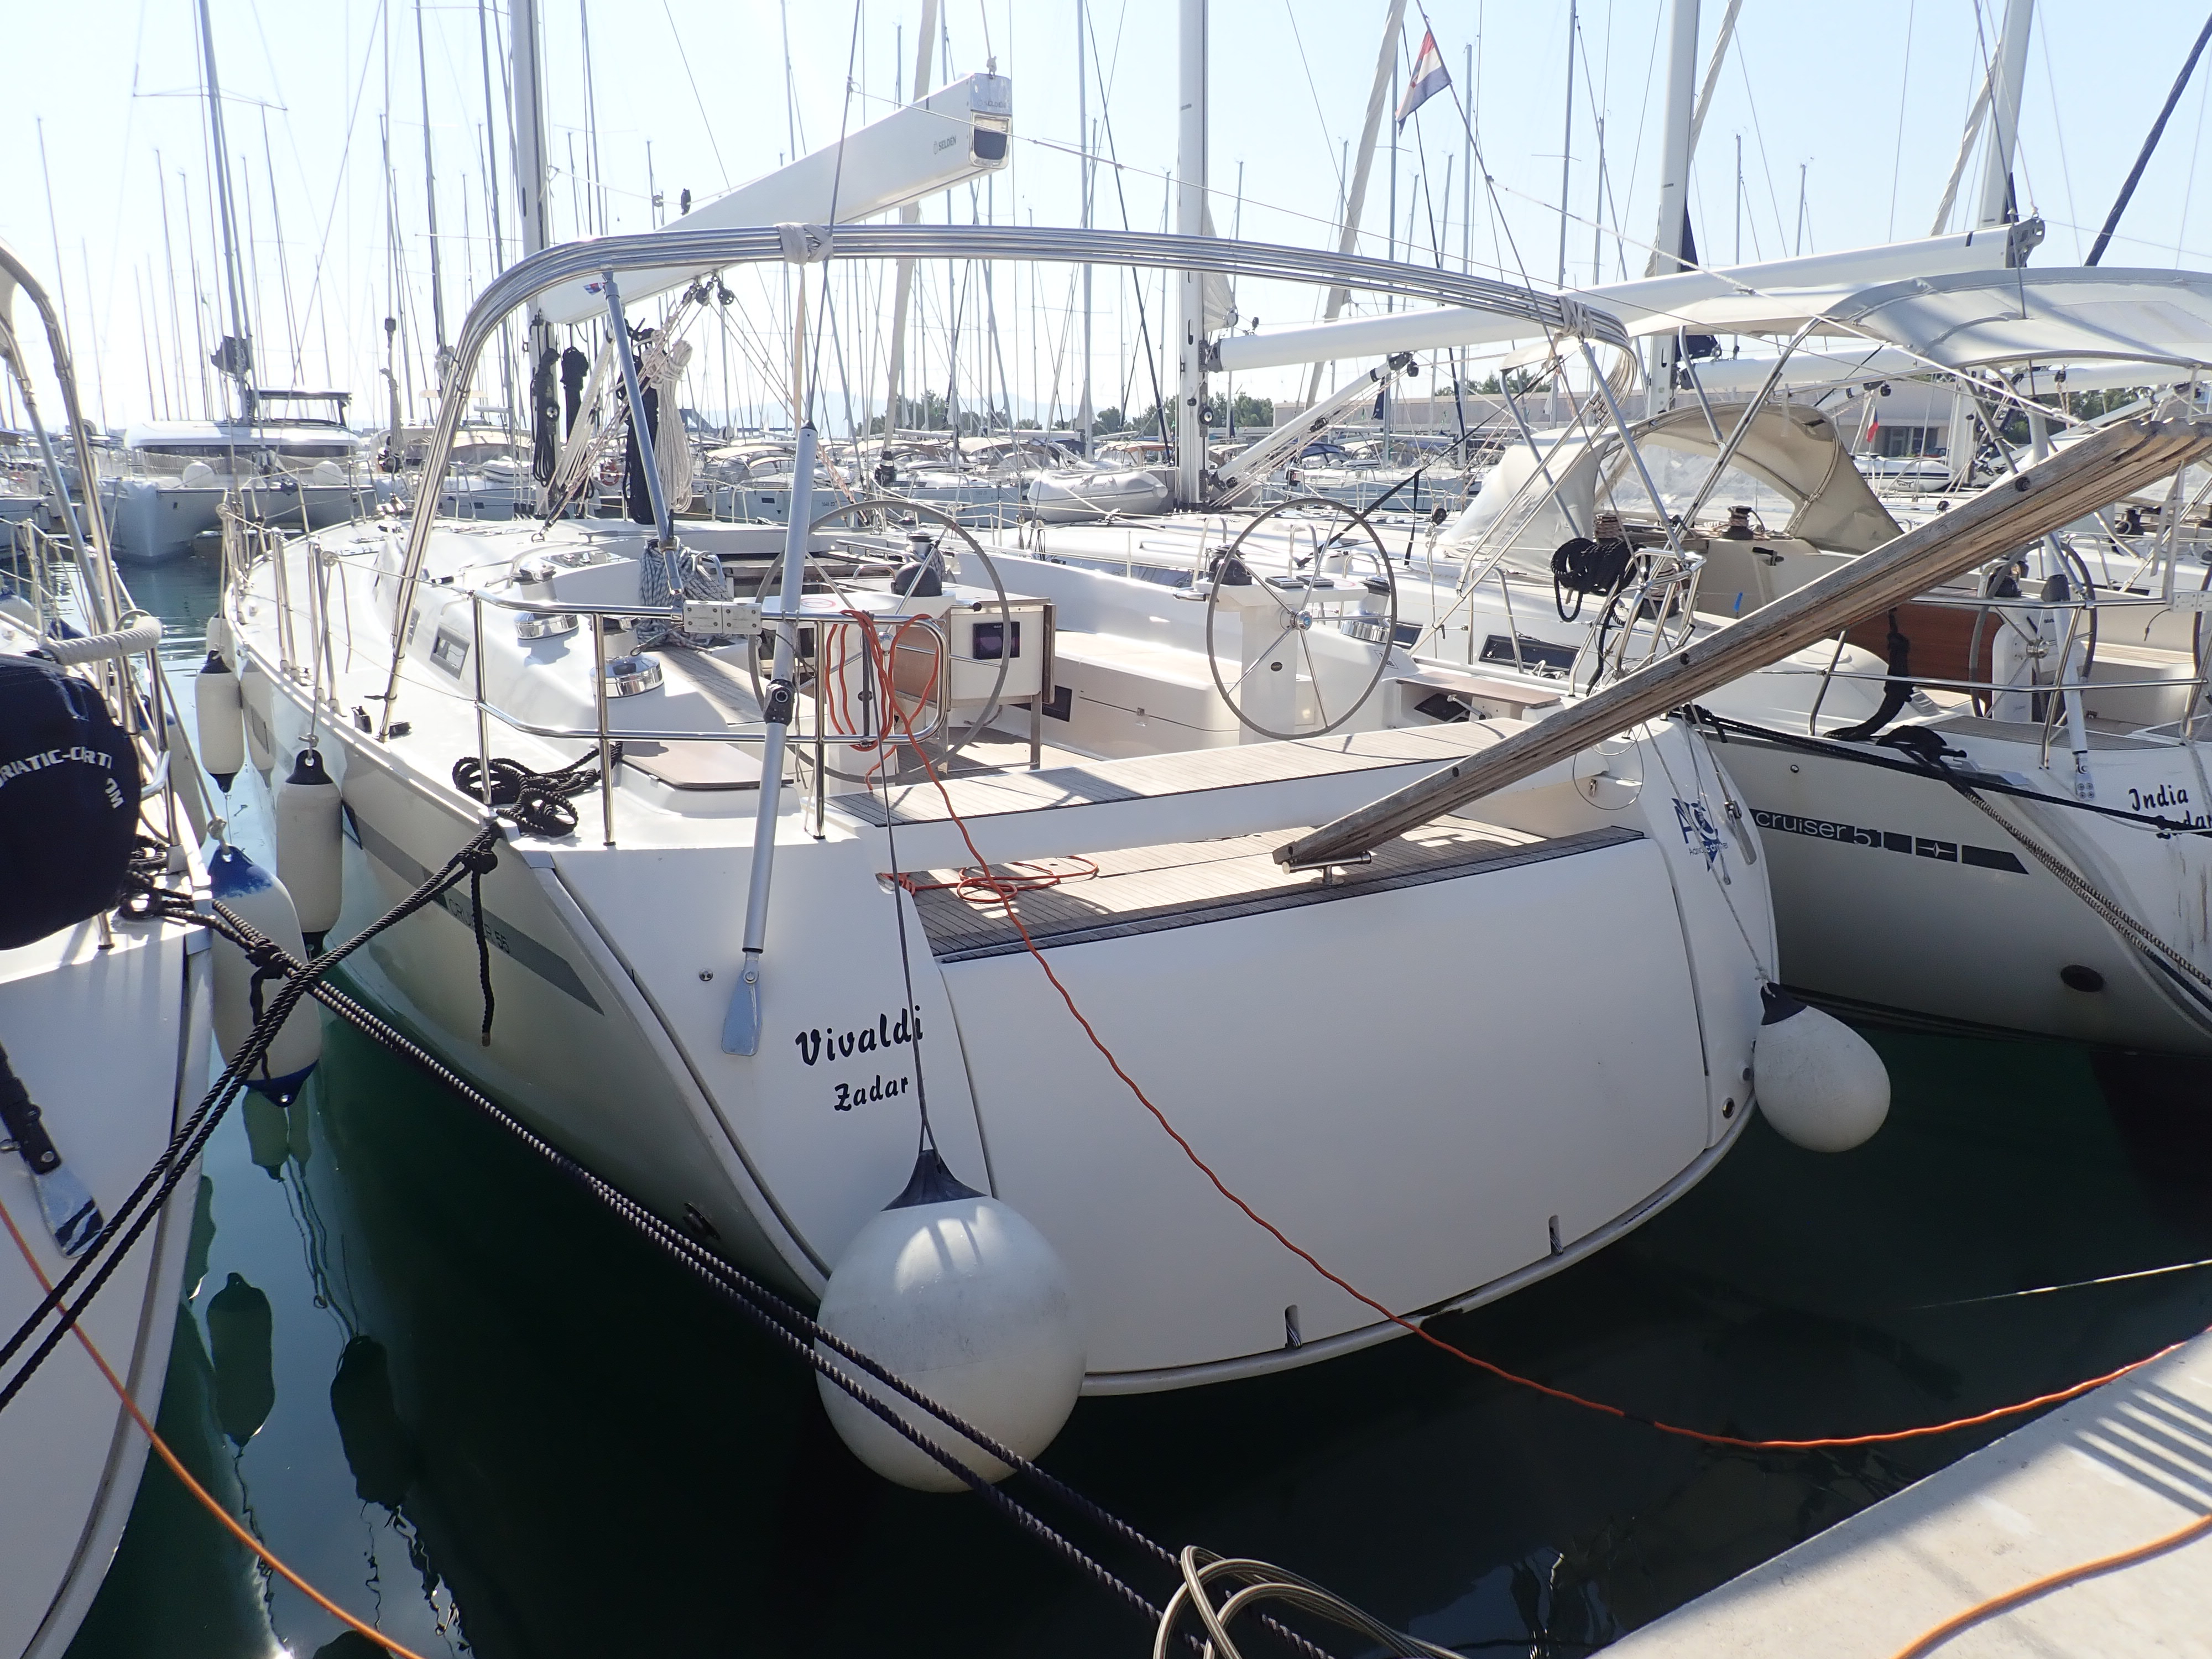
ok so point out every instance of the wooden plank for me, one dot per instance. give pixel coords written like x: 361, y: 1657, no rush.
x: 1151, y: 776
x: 1146, y: 889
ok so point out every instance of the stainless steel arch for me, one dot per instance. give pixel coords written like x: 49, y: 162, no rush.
x: 714, y: 250
x: 95, y: 558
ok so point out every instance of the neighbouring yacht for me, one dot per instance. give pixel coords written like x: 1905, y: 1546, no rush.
x: 105, y: 1013
x: 291, y: 461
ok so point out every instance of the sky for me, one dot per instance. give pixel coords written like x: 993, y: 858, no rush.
x: 1848, y: 118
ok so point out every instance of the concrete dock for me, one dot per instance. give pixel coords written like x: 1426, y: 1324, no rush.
x: 2114, y: 1469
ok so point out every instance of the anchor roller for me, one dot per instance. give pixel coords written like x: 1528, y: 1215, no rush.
x: 956, y: 1293
x: 1819, y: 1082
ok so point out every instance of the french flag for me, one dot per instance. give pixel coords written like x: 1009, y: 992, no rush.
x: 1430, y: 78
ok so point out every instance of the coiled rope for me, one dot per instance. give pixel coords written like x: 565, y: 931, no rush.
x: 537, y: 801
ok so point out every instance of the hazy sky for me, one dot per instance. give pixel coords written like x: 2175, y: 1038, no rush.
x: 1866, y: 98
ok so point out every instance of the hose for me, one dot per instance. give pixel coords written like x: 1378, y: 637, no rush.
x: 141, y: 635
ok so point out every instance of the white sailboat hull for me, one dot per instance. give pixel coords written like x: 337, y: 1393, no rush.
x: 1894, y: 891
x: 1444, y: 1080
x: 113, y: 1045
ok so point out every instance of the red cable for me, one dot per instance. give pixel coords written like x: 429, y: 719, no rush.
x: 1429, y: 1337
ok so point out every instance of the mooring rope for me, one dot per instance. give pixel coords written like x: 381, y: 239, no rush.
x: 131, y: 1218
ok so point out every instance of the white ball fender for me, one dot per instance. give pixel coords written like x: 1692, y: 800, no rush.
x: 1819, y: 1082
x: 217, y: 718
x: 259, y: 900
x: 308, y: 845
x: 958, y: 1295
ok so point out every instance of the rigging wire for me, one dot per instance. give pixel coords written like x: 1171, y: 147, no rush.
x: 1765, y: 162
x: 1904, y: 86
x: 683, y: 57
x: 2042, y: 35
x: 1328, y: 138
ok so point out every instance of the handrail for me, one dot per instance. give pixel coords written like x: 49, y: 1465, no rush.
x: 710, y: 249
x: 479, y: 599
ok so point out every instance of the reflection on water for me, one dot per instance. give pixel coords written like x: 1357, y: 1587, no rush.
x: 482, y: 1416
x: 183, y: 593
x: 499, y: 1421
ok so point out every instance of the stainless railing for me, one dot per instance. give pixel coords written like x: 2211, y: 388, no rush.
x: 250, y: 544
x: 2068, y: 678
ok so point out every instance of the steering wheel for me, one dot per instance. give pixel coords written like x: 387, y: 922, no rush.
x: 882, y: 510
x: 1307, y: 595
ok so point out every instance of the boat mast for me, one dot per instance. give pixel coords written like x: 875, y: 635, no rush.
x: 169, y: 264
x: 430, y: 197
x: 902, y: 282
x: 2009, y: 76
x: 235, y: 355
x: 498, y: 231
x: 1567, y: 144
x: 1190, y: 288
x: 1085, y: 415
x: 1355, y: 204
x: 531, y: 206
x: 1672, y: 241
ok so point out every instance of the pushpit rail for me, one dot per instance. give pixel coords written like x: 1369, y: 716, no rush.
x: 702, y: 615
x: 601, y: 735
x: 2010, y: 514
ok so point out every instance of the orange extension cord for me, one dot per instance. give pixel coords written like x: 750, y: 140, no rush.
x: 1008, y: 889
x: 206, y: 1500
x: 2035, y: 1586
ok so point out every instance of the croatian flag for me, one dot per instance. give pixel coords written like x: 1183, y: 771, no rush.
x: 1430, y: 78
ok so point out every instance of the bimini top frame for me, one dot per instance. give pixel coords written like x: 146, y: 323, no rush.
x: 86, y: 525
x: 1550, y: 314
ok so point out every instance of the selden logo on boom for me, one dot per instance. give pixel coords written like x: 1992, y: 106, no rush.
x: 830, y: 1046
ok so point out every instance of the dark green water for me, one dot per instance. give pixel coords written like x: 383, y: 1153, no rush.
x: 489, y: 1419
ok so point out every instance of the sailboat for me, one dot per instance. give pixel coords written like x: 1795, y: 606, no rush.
x: 804, y: 869
x: 746, y: 1045
x: 104, y: 1024
x: 282, y: 457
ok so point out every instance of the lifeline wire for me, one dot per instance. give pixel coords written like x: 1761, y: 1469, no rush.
x: 1414, y: 1327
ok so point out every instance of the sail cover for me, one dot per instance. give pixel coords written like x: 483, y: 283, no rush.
x: 2000, y: 318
